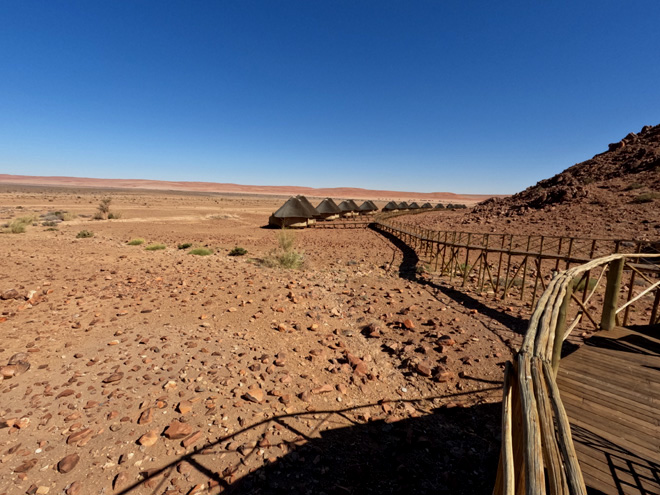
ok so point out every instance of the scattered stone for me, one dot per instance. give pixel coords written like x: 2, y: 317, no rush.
x: 115, y: 377
x: 146, y: 417
x: 255, y: 394
x: 149, y: 438
x: 177, y: 430
x: 68, y: 463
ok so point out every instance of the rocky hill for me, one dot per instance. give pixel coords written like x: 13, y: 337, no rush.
x: 629, y: 172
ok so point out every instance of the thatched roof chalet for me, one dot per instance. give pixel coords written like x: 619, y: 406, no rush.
x: 391, y: 206
x: 309, y: 207
x: 368, y: 208
x: 328, y: 209
x: 292, y: 214
x: 348, y: 208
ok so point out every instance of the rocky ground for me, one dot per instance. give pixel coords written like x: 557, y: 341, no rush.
x: 134, y: 371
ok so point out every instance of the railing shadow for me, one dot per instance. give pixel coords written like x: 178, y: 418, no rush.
x: 630, y: 473
x: 408, y: 270
x: 446, y: 450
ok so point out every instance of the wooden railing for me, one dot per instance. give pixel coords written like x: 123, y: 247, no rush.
x: 521, y: 266
x: 536, y: 435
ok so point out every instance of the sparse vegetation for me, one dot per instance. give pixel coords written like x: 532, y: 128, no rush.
x: 18, y: 225
x: 155, y: 247
x: 201, y: 251
x: 646, y: 198
x: 579, y: 283
x: 103, y: 211
x: 238, y: 251
x: 185, y: 245
x: 463, y: 268
x: 633, y: 186
x: 136, y: 242
x: 285, y: 256
x: 84, y: 234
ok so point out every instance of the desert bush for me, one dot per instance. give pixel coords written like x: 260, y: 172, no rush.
x: 104, y: 206
x: 201, y: 251
x: 286, y: 239
x: 238, y: 251
x: 289, y: 260
x: 103, y: 210
x: 579, y: 283
x: 185, y: 245
x: 155, y: 247
x: 423, y: 268
x: 463, y: 268
x: 633, y: 186
x: 18, y: 225
x: 84, y: 234
x: 135, y: 242
x: 646, y: 198
x: 285, y: 256
x: 49, y: 223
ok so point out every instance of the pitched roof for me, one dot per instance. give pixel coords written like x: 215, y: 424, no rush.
x: 348, y: 205
x: 391, y: 206
x: 403, y: 206
x: 368, y: 206
x: 328, y: 206
x: 308, y: 206
x: 413, y: 206
x: 439, y: 206
x: 293, y: 208
x: 427, y: 205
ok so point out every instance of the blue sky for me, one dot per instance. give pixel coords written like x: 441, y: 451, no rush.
x: 464, y: 96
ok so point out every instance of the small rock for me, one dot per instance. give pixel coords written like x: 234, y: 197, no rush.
x: 149, y: 438
x: 115, y: 377
x: 177, y: 430
x: 408, y: 323
x: 255, y: 394
x: 68, y: 463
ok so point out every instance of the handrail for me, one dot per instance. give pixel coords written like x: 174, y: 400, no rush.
x: 546, y: 444
x: 536, y: 433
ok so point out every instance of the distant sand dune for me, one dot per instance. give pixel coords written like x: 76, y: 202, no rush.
x: 334, y: 192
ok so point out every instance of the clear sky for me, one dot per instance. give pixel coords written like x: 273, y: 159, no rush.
x: 462, y: 96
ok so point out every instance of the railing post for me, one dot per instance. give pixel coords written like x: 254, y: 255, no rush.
x: 560, y: 328
x: 614, y: 274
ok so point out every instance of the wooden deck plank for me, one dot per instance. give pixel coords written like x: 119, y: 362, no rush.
x: 611, y: 391
x: 622, y: 404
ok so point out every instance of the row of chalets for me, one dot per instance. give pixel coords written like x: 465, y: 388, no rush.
x: 299, y: 212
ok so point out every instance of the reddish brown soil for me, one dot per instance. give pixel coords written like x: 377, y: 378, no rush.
x: 347, y: 376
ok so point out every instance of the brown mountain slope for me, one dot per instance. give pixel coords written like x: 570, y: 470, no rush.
x: 630, y: 167
x: 615, y: 195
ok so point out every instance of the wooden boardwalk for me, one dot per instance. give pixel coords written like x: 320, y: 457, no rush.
x: 610, y: 388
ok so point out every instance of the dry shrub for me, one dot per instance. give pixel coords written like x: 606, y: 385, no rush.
x: 285, y: 256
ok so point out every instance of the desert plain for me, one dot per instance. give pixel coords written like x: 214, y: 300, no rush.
x: 128, y: 368
x: 162, y: 371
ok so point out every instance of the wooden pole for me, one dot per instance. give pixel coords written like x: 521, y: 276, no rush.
x: 608, y: 319
x: 560, y: 328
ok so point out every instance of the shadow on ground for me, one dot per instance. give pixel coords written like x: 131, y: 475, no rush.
x: 443, y: 450
x: 449, y: 451
x: 408, y: 270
